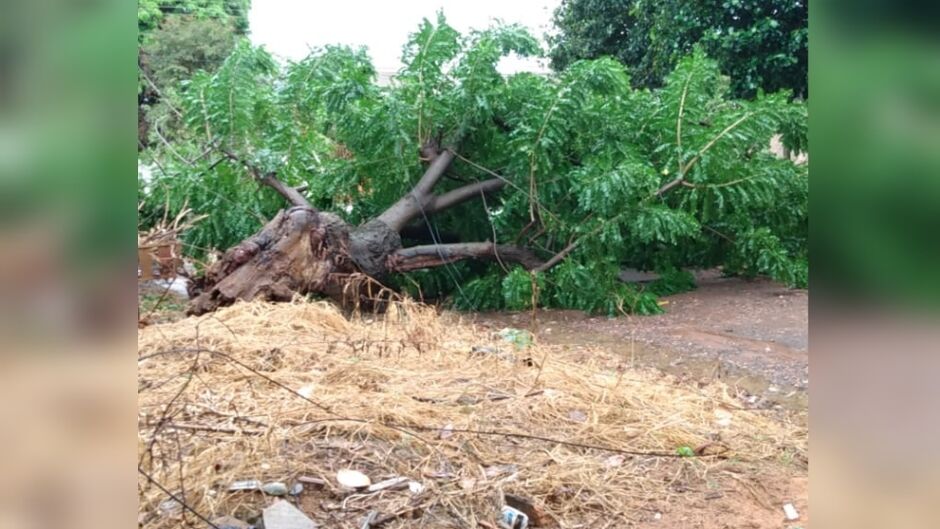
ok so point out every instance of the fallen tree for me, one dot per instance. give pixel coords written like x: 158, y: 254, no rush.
x: 532, y: 189
x: 303, y: 250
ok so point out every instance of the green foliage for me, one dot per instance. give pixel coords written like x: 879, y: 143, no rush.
x: 150, y: 13
x: 182, y: 46
x: 585, y: 156
x: 177, y: 38
x: 481, y: 293
x: 520, y: 289
x: 593, y: 287
x: 759, y: 251
x: 761, y: 44
x: 672, y: 281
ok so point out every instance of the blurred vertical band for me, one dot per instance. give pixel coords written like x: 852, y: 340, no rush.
x: 67, y: 158
x: 66, y: 164
x: 875, y: 280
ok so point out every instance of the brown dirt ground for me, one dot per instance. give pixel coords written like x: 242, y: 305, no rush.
x: 750, y: 334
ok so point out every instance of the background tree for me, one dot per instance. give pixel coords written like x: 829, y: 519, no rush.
x: 759, y: 44
x: 177, y: 38
x: 497, y: 192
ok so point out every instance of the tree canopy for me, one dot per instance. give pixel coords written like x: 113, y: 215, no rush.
x: 760, y: 44
x: 593, y: 173
x: 150, y: 13
x: 177, y: 38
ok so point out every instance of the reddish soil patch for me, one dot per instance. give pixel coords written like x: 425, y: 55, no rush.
x: 750, y: 334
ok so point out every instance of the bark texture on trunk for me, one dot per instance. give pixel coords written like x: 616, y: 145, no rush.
x: 302, y: 250
x: 432, y: 255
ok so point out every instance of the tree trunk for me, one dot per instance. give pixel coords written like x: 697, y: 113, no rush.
x: 302, y: 250
x: 299, y: 251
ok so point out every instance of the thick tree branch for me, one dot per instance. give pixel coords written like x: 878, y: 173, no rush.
x: 671, y: 184
x: 560, y: 256
x: 270, y: 179
x: 433, y: 255
x: 418, y: 232
x: 557, y: 258
x: 290, y: 193
x: 410, y: 206
x: 405, y: 210
x: 684, y: 169
x: 463, y: 194
x: 434, y: 173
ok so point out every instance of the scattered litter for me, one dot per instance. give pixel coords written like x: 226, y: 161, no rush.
x: 711, y: 449
x: 723, y: 418
x: 577, y: 416
x: 642, y: 410
x: 519, y: 338
x: 296, y: 489
x: 367, y: 521
x: 309, y: 480
x: 395, y: 483
x: 658, y: 516
x: 483, y: 350
x: 614, y: 461
x: 283, y: 515
x: 773, y: 389
x: 248, y: 484
x: 499, y: 470
x: 513, y: 519
x: 306, y: 391
x: 790, y: 511
x: 274, y: 488
x: 532, y: 512
x: 352, y: 479
x: 447, y: 431
x: 230, y: 522
x: 170, y: 508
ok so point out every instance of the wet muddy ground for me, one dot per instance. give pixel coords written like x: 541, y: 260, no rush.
x: 750, y: 334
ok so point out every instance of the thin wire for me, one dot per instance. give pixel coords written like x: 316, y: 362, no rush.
x: 437, y: 246
x: 486, y: 208
x: 175, y: 498
x: 407, y: 428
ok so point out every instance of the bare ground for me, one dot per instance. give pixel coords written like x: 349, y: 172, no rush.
x: 750, y: 334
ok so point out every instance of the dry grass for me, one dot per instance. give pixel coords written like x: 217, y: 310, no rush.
x: 220, y: 400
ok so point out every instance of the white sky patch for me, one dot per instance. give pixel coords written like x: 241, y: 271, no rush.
x: 290, y: 28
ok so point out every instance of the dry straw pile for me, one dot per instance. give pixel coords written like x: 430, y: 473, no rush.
x: 279, y: 392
